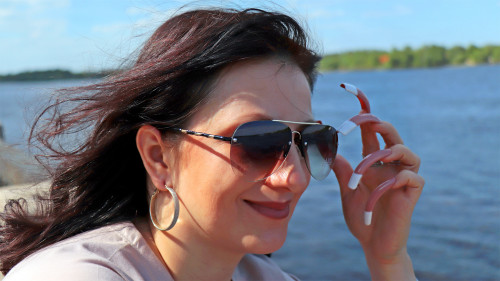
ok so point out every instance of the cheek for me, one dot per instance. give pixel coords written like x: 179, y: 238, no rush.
x: 205, y: 158
x: 205, y: 182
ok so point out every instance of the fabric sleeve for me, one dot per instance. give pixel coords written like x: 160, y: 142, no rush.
x: 61, y: 271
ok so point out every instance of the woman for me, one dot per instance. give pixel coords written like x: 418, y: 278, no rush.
x: 183, y: 175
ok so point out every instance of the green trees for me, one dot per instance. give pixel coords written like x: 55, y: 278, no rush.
x: 352, y: 60
x: 401, y: 58
x: 456, y: 55
x: 430, y: 56
x: 426, y: 56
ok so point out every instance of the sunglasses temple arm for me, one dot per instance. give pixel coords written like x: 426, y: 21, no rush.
x: 363, y: 100
x: 357, y: 120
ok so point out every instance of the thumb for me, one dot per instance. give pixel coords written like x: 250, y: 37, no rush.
x: 343, y: 172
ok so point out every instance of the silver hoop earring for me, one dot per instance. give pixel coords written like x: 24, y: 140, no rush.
x: 152, y: 214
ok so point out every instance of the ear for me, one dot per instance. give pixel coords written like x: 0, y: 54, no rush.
x: 155, y: 156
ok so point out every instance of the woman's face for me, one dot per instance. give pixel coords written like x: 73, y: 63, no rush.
x: 219, y: 207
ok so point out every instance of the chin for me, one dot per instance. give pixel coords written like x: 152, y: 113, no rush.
x: 265, y: 243
x: 267, y: 250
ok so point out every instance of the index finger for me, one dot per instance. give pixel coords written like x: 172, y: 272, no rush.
x: 369, y: 139
x: 388, y: 132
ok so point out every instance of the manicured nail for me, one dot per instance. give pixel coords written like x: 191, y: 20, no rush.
x: 363, y: 100
x: 368, y: 218
x: 371, y: 159
x: 354, y: 181
x: 350, y: 88
x: 376, y: 194
x: 367, y: 162
x: 357, y: 120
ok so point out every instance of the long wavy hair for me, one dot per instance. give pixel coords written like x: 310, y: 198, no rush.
x: 87, y: 134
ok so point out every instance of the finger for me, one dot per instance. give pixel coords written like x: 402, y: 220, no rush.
x: 405, y: 178
x: 414, y: 181
x: 388, y: 133
x: 369, y: 139
x: 405, y: 157
x: 343, y: 172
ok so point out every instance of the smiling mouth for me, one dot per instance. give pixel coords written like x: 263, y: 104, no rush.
x: 273, y: 210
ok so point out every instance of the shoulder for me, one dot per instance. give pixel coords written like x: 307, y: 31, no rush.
x: 115, y: 252
x: 260, y: 267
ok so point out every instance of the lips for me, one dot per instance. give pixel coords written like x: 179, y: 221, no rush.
x: 273, y: 210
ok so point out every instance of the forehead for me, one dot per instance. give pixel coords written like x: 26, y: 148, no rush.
x: 271, y: 88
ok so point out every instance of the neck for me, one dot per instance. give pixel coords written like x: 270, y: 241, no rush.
x: 187, y: 257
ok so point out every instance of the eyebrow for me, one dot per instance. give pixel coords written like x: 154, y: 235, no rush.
x: 260, y: 116
x: 308, y: 122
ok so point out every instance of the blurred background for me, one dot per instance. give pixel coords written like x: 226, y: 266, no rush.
x: 432, y: 68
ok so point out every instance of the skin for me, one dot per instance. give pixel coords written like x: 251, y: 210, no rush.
x: 217, y: 226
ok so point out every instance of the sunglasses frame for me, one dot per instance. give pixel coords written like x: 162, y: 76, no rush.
x: 231, y: 139
x: 301, y: 145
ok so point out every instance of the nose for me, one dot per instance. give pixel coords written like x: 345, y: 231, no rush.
x: 293, y: 174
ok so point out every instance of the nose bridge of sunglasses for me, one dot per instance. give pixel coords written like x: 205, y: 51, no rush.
x: 296, y: 136
x: 297, y: 139
x: 363, y: 100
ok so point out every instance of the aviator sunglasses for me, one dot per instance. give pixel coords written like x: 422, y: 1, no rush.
x: 259, y: 148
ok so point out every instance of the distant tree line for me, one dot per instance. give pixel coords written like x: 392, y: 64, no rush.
x: 54, y: 74
x: 426, y: 56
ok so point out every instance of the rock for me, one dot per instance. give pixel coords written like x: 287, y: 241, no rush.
x: 1, y: 132
x: 16, y: 166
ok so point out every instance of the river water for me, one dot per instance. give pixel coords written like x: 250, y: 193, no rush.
x: 449, y: 116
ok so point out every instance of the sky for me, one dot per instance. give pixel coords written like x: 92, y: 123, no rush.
x: 90, y: 35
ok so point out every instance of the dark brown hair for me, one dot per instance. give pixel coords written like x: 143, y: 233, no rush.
x: 88, y: 133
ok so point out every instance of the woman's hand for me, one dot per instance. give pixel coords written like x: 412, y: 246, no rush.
x: 384, y: 241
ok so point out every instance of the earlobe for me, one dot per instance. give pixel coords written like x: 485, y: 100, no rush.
x: 154, y: 156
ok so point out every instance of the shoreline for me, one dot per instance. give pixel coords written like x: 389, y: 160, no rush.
x: 381, y: 69
x: 78, y: 77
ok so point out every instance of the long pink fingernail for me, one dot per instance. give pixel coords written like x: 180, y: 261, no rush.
x: 363, y: 100
x: 376, y: 194
x: 357, y: 120
x: 365, y: 164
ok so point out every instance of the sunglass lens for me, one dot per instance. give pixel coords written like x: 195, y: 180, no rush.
x: 259, y: 148
x: 320, y: 144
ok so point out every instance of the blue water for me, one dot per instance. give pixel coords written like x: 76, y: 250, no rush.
x: 449, y: 116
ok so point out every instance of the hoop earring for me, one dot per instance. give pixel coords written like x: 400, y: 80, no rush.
x: 152, y: 214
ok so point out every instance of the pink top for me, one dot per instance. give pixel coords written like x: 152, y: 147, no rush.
x: 119, y: 252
